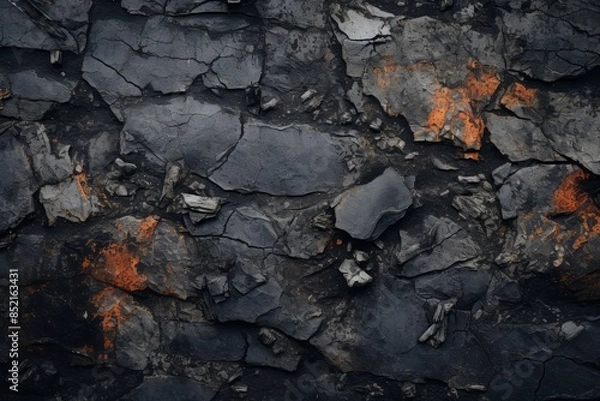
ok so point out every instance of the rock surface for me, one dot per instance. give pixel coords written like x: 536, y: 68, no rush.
x: 224, y: 200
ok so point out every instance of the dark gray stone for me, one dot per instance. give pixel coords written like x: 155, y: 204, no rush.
x: 181, y: 129
x: 137, y: 338
x: 549, y: 41
x: 246, y: 276
x: 250, y: 226
x: 570, y: 128
x: 34, y: 93
x: 66, y: 199
x: 249, y: 307
x: 203, y: 341
x: 529, y: 188
x: 366, y: 211
x: 290, y: 53
x: 436, y: 244
x: 61, y: 25
x: 301, y: 239
x: 303, y: 13
x: 582, y: 381
x: 282, y: 353
x: 355, y: 341
x: 519, y: 139
x: 292, y: 160
x: 464, y: 284
x: 18, y: 185
x: 127, y: 57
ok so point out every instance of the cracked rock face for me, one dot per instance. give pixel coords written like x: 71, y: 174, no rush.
x: 227, y: 200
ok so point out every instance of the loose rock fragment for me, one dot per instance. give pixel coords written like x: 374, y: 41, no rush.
x: 366, y: 211
x: 69, y: 199
x: 353, y: 274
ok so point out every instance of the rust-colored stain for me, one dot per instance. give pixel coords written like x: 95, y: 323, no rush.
x: 570, y: 198
x: 481, y: 83
x: 442, y: 106
x: 383, y: 72
x: 82, y: 186
x: 117, y: 263
x: 112, y: 312
x: 147, y: 228
x: 519, y: 95
x: 455, y: 111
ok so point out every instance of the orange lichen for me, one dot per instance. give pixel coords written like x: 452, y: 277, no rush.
x: 519, y: 94
x: 117, y: 264
x: 112, y: 312
x: 147, y: 227
x: 82, y: 186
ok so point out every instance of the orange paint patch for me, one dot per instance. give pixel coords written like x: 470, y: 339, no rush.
x: 519, y: 95
x: 117, y: 264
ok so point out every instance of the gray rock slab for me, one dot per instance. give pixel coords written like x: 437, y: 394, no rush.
x: 520, y: 139
x: 181, y: 129
x: 366, y: 211
x: 136, y: 339
x: 358, y: 25
x: 129, y: 56
x: 360, y: 340
x: 303, y: 13
x: 550, y: 41
x: 59, y: 25
x: 18, y: 185
x: 252, y: 227
x: 437, y: 244
x: 466, y: 285
x: 529, y: 188
x: 572, y: 126
x: 66, y: 199
x: 282, y: 354
x: 292, y: 160
x: 249, y: 307
x: 292, y: 52
x: 203, y: 341
x: 34, y: 93
x: 582, y: 383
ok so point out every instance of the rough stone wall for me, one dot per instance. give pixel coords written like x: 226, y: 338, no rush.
x: 301, y: 199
